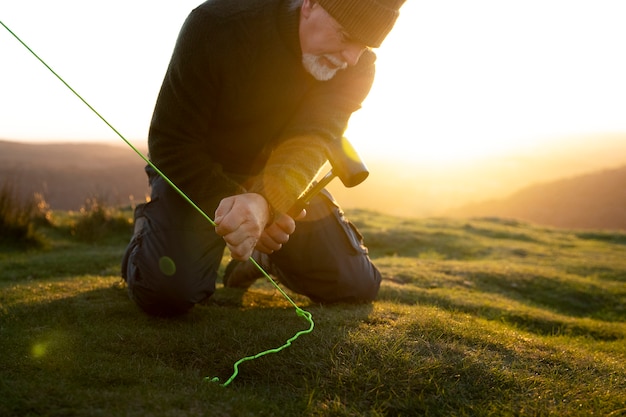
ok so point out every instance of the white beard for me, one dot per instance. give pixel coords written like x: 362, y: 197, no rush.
x: 320, y: 71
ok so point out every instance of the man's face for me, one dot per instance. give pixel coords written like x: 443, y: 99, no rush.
x: 322, y: 67
x: 326, y: 46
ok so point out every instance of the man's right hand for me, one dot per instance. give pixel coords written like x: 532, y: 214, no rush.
x: 277, y: 234
x: 241, y: 220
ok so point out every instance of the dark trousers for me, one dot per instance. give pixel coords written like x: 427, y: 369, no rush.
x: 172, y: 260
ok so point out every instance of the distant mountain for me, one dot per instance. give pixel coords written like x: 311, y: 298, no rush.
x: 592, y: 201
x: 68, y: 173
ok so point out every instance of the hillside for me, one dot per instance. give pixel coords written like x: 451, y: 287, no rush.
x: 67, y: 173
x: 592, y: 201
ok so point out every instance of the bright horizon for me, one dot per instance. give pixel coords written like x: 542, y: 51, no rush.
x: 457, y: 81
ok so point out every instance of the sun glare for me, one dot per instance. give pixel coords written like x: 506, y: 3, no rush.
x: 456, y: 80
x: 448, y: 90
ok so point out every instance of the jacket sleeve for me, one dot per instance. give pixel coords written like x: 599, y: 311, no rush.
x: 184, y: 109
x: 323, y: 116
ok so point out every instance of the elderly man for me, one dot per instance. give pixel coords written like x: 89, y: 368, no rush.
x: 254, y: 93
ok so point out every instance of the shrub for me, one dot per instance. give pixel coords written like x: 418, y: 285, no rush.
x: 18, y: 218
x: 98, y: 220
x: 43, y: 213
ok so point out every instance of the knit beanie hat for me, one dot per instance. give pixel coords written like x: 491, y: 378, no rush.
x: 367, y: 21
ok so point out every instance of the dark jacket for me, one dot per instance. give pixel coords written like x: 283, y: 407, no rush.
x: 235, y: 90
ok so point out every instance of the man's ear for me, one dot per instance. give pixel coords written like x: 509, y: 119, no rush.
x: 305, y: 9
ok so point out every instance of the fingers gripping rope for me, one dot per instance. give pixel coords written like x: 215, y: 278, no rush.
x: 300, y: 312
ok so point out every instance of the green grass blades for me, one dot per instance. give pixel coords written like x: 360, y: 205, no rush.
x: 484, y: 317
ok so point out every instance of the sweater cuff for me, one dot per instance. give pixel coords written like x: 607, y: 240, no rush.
x: 290, y: 170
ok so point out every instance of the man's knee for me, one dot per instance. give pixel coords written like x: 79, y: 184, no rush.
x: 152, y: 289
x: 369, y: 283
x: 165, y: 273
x: 349, y: 279
x: 356, y: 280
x: 326, y: 258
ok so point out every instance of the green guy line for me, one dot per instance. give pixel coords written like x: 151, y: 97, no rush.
x: 302, y: 313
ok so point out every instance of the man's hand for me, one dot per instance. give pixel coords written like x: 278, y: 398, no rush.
x: 241, y: 220
x: 277, y: 234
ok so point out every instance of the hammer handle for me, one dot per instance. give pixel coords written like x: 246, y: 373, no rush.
x: 310, y: 193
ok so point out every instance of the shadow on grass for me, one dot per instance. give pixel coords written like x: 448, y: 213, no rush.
x: 540, y: 324
x: 514, y: 230
x: 563, y: 296
x: 409, y: 243
x: 62, y: 263
x: 94, y: 353
x: 618, y: 238
x: 58, y: 354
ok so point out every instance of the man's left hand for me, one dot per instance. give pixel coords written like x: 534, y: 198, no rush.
x: 277, y: 234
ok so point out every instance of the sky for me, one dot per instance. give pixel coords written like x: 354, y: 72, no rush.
x: 456, y: 79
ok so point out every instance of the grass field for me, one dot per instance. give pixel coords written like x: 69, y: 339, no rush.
x: 483, y: 317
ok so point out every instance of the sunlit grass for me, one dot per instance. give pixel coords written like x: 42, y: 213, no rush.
x: 480, y: 317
